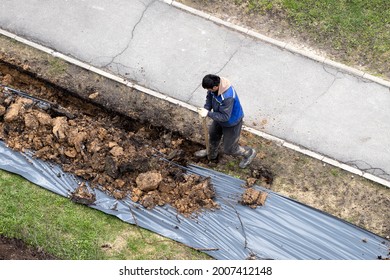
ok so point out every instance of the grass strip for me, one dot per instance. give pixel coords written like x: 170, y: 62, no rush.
x: 71, y: 231
x: 358, y: 31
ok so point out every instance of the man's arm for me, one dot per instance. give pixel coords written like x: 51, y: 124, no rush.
x: 208, y: 104
x: 225, y: 111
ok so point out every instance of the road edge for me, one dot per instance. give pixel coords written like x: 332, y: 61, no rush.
x: 280, y: 44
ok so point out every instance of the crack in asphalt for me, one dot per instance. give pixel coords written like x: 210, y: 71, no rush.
x: 325, y: 68
x: 192, y: 93
x: 335, y: 78
x: 369, y: 168
x: 230, y: 58
x: 118, y: 64
x: 219, y: 71
x: 132, y: 33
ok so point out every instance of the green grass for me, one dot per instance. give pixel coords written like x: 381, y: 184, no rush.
x: 57, y: 66
x: 358, y: 31
x: 76, y: 232
x: 335, y: 172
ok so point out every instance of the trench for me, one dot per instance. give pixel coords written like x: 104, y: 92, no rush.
x: 119, y: 155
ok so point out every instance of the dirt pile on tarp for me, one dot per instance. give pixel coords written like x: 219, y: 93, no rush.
x: 252, y: 197
x: 120, y: 162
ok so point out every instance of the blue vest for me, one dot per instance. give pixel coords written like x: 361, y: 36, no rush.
x: 237, y: 112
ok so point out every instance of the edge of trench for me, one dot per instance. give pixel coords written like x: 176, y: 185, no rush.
x: 279, y: 141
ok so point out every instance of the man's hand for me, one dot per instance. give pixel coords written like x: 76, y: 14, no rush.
x: 202, y: 112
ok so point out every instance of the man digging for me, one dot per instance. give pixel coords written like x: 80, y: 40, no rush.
x: 224, y: 108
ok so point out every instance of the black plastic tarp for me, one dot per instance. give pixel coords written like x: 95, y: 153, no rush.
x: 282, y: 229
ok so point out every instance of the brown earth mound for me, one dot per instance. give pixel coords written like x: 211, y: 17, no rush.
x: 120, y: 162
x: 122, y: 156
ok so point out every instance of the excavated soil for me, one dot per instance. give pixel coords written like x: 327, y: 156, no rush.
x: 114, y: 153
x: 98, y: 148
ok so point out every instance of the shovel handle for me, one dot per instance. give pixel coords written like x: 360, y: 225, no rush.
x: 206, y: 135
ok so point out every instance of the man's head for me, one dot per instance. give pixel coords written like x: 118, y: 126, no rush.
x: 211, y: 82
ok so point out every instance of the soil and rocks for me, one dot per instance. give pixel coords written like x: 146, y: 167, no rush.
x: 113, y: 153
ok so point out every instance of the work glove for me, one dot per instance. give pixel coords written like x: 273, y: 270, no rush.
x: 202, y: 112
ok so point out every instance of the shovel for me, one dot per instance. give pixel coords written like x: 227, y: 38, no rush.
x: 206, y: 137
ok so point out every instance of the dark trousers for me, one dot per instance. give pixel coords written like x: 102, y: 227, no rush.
x: 231, y: 136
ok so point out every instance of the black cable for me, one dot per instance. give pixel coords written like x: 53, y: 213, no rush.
x: 26, y: 95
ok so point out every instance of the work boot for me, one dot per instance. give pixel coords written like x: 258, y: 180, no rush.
x: 249, y: 155
x: 203, y: 153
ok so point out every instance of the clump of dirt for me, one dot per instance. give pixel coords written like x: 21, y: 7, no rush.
x: 83, y: 195
x: 253, y: 198
x: 120, y: 162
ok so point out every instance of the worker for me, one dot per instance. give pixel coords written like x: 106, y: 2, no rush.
x: 224, y: 108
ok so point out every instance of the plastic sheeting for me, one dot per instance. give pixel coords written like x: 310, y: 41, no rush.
x: 281, y: 229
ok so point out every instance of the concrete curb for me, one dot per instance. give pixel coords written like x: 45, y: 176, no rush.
x: 280, y: 44
x: 264, y: 135
x: 322, y: 158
